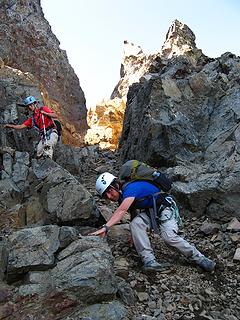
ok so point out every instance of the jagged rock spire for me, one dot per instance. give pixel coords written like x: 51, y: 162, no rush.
x: 105, y: 120
x: 131, y: 49
x: 179, y: 40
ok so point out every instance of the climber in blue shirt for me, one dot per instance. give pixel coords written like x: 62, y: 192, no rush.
x: 140, y: 195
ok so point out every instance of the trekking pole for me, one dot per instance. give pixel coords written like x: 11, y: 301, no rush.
x: 44, y: 130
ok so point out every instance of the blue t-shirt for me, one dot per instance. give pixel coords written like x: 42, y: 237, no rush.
x: 139, y: 190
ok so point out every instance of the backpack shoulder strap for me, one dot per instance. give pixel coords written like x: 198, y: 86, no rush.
x: 33, y: 120
x: 134, y: 168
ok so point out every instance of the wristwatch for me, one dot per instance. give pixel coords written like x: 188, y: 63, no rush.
x: 106, y: 228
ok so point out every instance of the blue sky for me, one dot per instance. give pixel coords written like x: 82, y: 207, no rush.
x: 92, y: 32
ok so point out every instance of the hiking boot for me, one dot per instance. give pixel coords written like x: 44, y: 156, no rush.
x: 154, y: 266
x: 207, y: 264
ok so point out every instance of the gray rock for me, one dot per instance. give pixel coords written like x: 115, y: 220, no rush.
x: 62, y: 196
x: 88, y: 275
x: 20, y: 169
x: 38, y: 282
x: 209, y: 228
x: 83, y: 244
x: 3, y: 258
x: 35, y: 215
x: 113, y: 310
x: 121, y: 267
x: 67, y: 235
x: 237, y: 255
x: 84, y: 272
x: 120, y: 233
x: 126, y: 293
x: 106, y: 212
x: 234, y: 225
x: 32, y: 249
x: 10, y: 194
x: 7, y: 165
x: 142, y: 296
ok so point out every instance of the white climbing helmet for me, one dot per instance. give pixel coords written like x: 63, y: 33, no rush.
x: 103, y: 182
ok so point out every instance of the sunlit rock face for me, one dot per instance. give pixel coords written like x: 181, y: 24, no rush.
x: 27, y: 43
x: 105, y: 120
x: 133, y: 66
x: 136, y: 65
x: 180, y: 40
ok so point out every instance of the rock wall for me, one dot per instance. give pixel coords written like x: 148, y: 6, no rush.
x: 135, y: 64
x: 190, y: 120
x: 28, y: 44
x: 182, y: 112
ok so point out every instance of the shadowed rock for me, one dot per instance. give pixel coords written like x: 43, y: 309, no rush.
x: 36, y: 50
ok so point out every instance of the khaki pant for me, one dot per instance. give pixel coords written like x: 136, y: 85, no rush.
x: 46, y: 147
x: 168, y: 230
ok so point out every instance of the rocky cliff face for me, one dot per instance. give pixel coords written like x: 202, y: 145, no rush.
x: 28, y: 44
x: 44, y: 210
x: 182, y: 111
x: 189, y: 113
x: 180, y: 40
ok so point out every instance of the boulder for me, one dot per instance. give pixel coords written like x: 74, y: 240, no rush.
x: 237, y: 255
x: 62, y: 196
x: 88, y: 275
x: 234, y: 225
x: 113, y: 310
x: 32, y: 249
x: 83, y: 270
x: 209, y: 228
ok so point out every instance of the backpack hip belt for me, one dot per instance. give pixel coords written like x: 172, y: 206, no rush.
x: 49, y: 130
x: 155, y: 212
x: 54, y: 130
x: 174, y: 213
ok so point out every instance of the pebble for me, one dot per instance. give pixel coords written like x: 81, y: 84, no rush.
x: 142, y: 296
x: 237, y: 255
